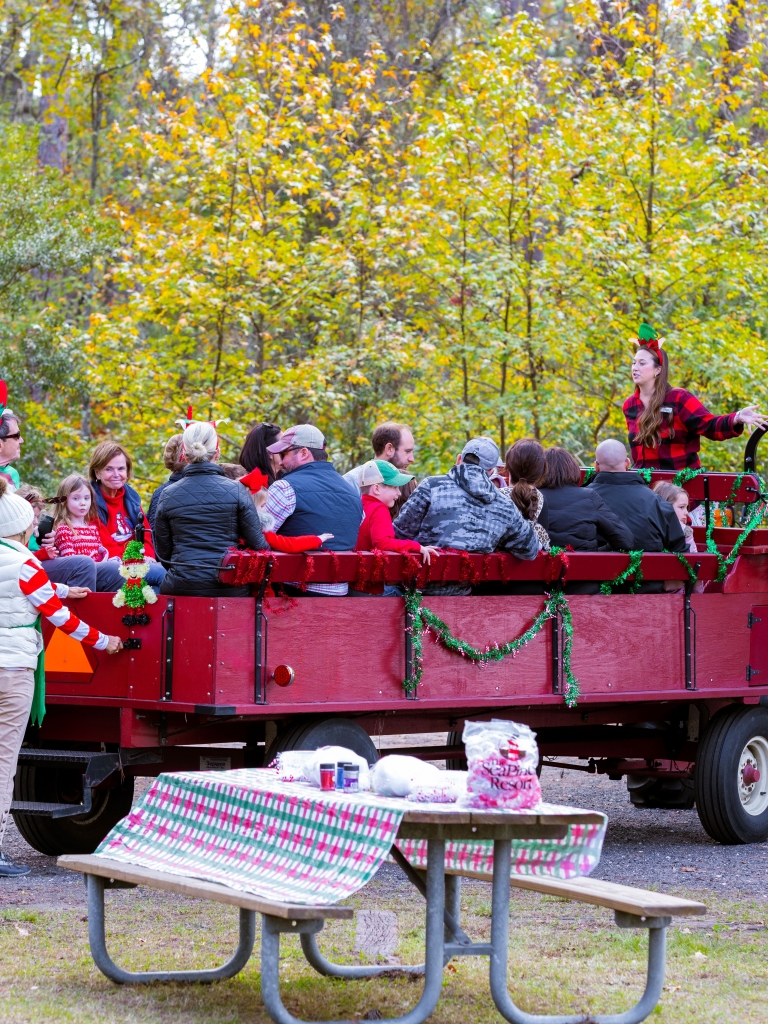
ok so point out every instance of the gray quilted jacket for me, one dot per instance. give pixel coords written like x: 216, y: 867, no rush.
x: 464, y: 510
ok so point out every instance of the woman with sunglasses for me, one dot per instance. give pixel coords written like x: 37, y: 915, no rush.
x: 10, y: 441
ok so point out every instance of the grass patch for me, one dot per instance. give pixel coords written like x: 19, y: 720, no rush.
x: 564, y: 957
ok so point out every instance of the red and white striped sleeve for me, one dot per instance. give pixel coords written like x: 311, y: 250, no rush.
x: 37, y: 589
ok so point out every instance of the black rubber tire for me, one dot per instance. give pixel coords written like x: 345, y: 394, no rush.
x: 455, y: 764
x: 716, y: 777
x: 660, y: 792
x: 79, y: 834
x: 324, y: 732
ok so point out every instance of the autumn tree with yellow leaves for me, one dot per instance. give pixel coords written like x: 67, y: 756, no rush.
x: 343, y: 213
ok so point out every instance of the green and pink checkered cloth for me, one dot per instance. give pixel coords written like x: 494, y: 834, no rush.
x: 288, y: 842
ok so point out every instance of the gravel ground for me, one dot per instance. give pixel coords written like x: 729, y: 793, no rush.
x: 666, y: 849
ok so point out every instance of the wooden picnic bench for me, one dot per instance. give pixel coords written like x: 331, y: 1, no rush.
x: 633, y: 908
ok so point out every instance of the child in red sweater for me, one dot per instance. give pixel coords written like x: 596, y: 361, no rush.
x: 257, y: 482
x: 380, y: 484
x: 76, y: 527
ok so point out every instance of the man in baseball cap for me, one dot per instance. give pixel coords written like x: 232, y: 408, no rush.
x: 304, y: 435
x: 312, y: 498
x: 463, y: 510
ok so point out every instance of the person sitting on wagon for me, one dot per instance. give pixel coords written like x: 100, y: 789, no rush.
x: 577, y: 516
x: 200, y: 517
x: 381, y: 483
x: 463, y: 510
x: 257, y: 483
x: 254, y: 454
x: 678, y: 499
x: 77, y: 571
x: 526, y: 467
x: 26, y: 593
x: 653, y: 522
x: 391, y: 442
x: 173, y: 458
x: 665, y: 424
x: 119, y: 510
x: 312, y: 498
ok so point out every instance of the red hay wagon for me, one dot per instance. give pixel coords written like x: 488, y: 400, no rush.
x: 673, y: 687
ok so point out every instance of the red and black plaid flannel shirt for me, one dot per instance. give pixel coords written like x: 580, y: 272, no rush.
x: 684, y: 414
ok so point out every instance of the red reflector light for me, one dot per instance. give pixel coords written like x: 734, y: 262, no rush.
x: 283, y: 675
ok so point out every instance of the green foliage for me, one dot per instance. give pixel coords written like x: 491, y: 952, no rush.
x: 345, y: 213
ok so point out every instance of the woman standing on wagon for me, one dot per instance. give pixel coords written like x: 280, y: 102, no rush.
x: 665, y: 424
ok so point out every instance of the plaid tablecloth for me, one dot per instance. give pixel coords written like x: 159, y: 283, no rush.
x: 578, y: 853
x: 288, y: 842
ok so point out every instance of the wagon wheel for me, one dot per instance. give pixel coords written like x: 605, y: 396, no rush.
x: 731, y: 779
x: 324, y: 732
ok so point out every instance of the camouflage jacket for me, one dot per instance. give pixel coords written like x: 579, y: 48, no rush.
x: 464, y: 510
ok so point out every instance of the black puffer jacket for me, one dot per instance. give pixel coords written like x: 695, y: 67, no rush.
x: 578, y: 516
x: 197, y: 520
x: 653, y: 522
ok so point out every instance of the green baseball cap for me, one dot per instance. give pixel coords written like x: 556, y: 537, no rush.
x: 378, y: 471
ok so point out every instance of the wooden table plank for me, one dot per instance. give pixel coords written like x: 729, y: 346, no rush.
x: 642, y: 902
x: 108, y: 868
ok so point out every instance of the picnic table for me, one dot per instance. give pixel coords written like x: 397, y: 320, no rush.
x: 291, y: 852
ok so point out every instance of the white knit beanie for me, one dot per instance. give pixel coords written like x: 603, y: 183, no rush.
x: 15, y: 513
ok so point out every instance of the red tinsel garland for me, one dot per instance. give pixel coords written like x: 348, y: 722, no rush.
x: 503, y: 565
x: 309, y: 565
x: 288, y: 604
x: 370, y: 570
x: 335, y: 566
x: 558, y: 564
x: 251, y: 566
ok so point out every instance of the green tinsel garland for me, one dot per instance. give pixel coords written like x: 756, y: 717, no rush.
x: 421, y: 618
x: 633, y: 570
x: 645, y: 474
x: 692, y: 572
x: 724, y: 564
x: 684, y: 475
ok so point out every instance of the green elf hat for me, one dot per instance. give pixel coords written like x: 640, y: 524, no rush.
x: 648, y: 337
x: 134, y: 552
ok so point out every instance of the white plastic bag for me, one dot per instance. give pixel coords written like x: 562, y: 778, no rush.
x: 291, y: 765
x: 304, y: 765
x: 451, y: 787
x: 398, y: 775
x: 502, y: 758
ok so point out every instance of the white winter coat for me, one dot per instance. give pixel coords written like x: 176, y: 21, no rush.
x: 19, y: 648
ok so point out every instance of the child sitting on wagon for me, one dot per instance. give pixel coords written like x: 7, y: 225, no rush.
x: 380, y: 484
x: 257, y: 483
x: 76, y: 527
x: 678, y: 499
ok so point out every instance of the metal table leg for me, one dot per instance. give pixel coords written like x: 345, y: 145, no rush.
x: 657, y: 933
x: 273, y: 927
x: 331, y: 970
x: 107, y: 966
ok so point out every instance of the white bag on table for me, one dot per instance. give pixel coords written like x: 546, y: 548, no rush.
x: 502, y: 758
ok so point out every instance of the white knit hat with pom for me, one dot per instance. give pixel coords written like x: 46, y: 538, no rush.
x: 15, y: 513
